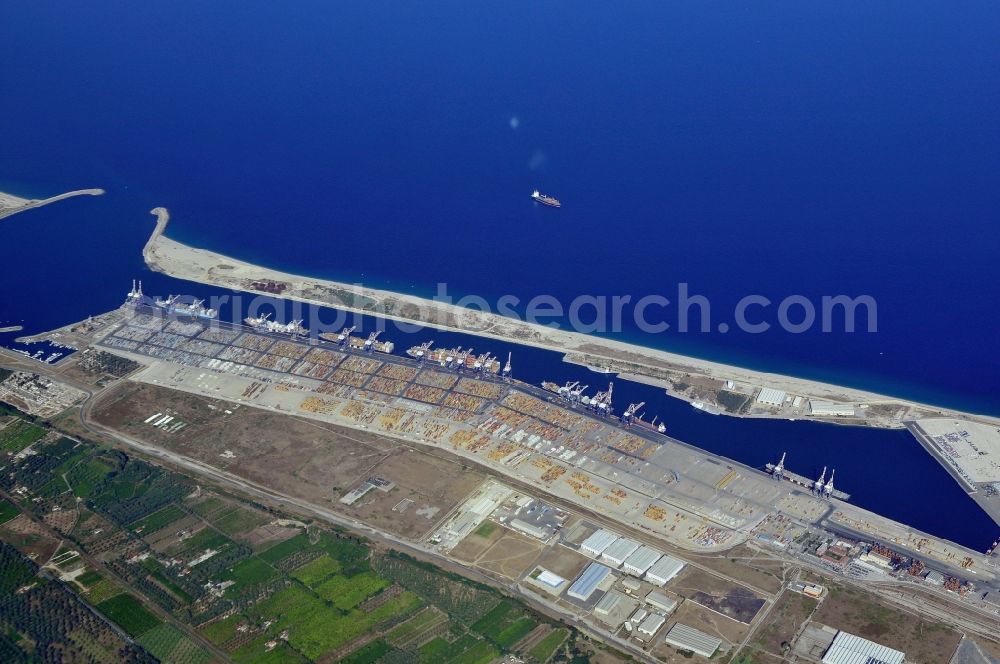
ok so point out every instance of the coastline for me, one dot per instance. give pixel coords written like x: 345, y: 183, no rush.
x: 680, y: 376
x: 11, y: 205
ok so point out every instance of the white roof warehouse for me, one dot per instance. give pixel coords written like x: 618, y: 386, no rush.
x: 850, y: 649
x: 689, y: 638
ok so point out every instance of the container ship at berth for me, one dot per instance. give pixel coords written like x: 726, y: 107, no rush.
x: 573, y: 393
x: 545, y: 200
x: 456, y: 358
x: 264, y: 324
x: 171, y: 304
x: 369, y: 344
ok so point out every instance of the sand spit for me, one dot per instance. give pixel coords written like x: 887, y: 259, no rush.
x: 11, y: 205
x: 716, y: 387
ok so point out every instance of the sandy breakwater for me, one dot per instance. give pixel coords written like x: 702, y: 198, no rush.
x: 675, y: 373
x: 11, y: 205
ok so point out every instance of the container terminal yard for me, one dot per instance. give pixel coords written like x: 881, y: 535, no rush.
x: 583, y: 454
x: 565, y: 468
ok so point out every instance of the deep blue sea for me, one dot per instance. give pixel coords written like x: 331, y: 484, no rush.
x: 772, y: 148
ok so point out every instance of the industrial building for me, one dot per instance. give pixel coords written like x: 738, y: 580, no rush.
x: 631, y: 585
x: 598, y: 542
x: 850, y: 649
x: 611, y: 600
x: 530, y: 529
x: 587, y: 583
x: 648, y: 628
x: 359, y: 492
x: 934, y: 578
x: 550, y: 579
x: 695, y: 640
x: 639, y: 562
x: 771, y: 397
x: 663, y: 570
x: 619, y: 551
x: 658, y: 600
x: 830, y: 409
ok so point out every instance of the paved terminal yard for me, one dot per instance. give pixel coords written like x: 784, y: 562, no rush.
x: 641, y: 478
x: 384, y: 441
x: 646, y: 480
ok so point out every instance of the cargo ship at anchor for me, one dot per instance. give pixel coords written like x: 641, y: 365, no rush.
x: 456, y: 358
x: 171, y: 304
x: 368, y: 345
x: 264, y: 324
x: 545, y: 200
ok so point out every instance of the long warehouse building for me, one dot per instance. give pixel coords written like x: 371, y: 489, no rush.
x: 641, y: 560
x: 587, y: 583
x: 663, y: 570
x: 850, y: 649
x: 598, y: 542
x: 618, y: 553
x: 689, y: 638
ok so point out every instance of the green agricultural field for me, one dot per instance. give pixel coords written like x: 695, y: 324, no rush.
x: 351, y: 554
x: 221, y: 631
x: 434, y: 650
x: 316, y: 571
x: 237, y: 520
x: 7, y: 511
x: 284, y: 549
x: 481, y: 653
x: 413, y: 626
x: 86, y: 476
x: 89, y: 578
x: 170, y: 585
x: 102, y: 590
x: 19, y: 434
x: 545, y: 648
x: 505, y: 624
x: 315, y: 628
x: 209, y: 506
x: 256, y: 653
x: 130, y: 615
x: 70, y: 458
x: 368, y: 654
x: 439, y: 650
x: 206, y: 538
x: 461, y: 599
x: 249, y: 572
x: 157, y: 520
x: 348, y: 592
x: 169, y: 645
x: 516, y: 631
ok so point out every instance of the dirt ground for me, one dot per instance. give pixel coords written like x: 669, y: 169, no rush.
x: 266, y: 536
x: 747, y: 565
x: 166, y: 536
x: 474, y: 545
x: 305, y: 459
x: 783, y: 623
x: 562, y: 561
x: 699, y: 617
x: 692, y: 580
x: 991, y: 647
x: 511, y: 556
x: 29, y: 538
x: 431, y: 484
x: 861, y: 613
